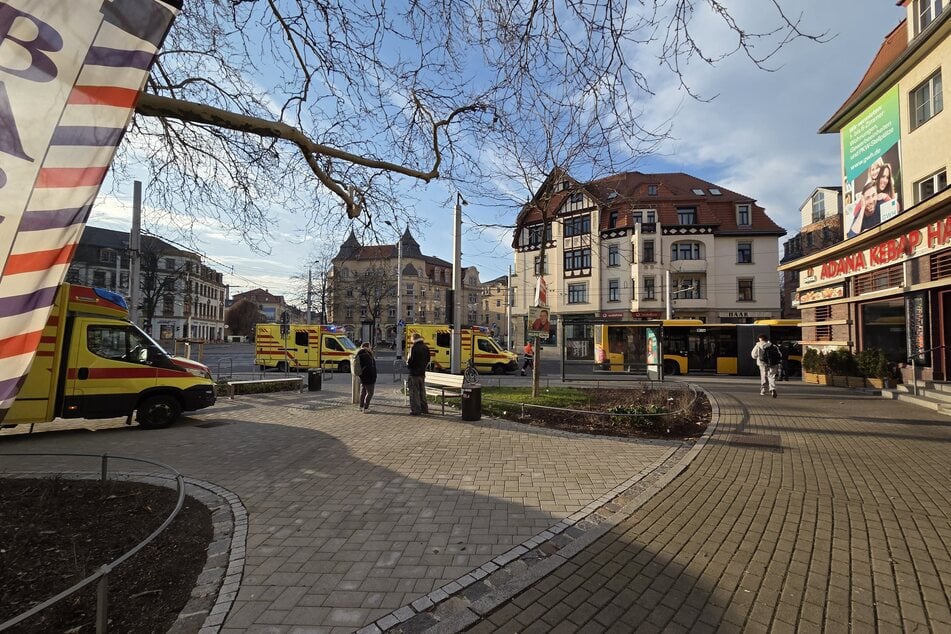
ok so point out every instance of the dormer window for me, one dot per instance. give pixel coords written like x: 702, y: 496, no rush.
x: 652, y: 190
x: 612, y: 220
x: 926, y: 11
x: 686, y: 215
x: 743, y: 218
x: 565, y: 185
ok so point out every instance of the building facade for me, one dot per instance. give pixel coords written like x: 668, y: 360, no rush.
x: 179, y: 295
x: 887, y: 285
x: 363, y: 288
x: 270, y: 305
x: 821, y: 221
x: 639, y: 246
x: 493, y: 313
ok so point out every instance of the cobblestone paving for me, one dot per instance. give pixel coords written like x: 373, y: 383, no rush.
x: 822, y: 510
x: 352, y: 516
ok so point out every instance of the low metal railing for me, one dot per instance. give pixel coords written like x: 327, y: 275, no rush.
x: 102, y: 574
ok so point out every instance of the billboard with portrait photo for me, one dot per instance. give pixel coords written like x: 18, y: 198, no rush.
x: 871, y: 158
x: 539, y: 322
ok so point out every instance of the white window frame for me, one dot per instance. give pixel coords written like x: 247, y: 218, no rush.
x: 927, y: 93
x: 752, y: 282
x: 818, y: 206
x: 935, y: 182
x: 929, y: 8
x: 650, y: 288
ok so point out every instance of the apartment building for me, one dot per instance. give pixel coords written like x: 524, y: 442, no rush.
x: 180, y: 296
x: 364, y: 281
x: 887, y: 285
x: 637, y: 246
x: 821, y: 221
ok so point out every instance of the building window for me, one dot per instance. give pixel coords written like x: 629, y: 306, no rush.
x: 349, y: 292
x: 363, y: 311
x: 686, y: 215
x: 169, y: 264
x: 649, y: 291
x: 409, y: 289
x: 107, y: 256
x: 744, y: 290
x: 743, y: 218
x: 818, y: 206
x: 391, y: 312
x: 715, y: 191
x: 925, y: 13
x: 614, y: 290
x: 575, y: 201
x: 541, y: 268
x: 638, y: 217
x: 614, y: 255
x: 928, y: 187
x: 648, y: 251
x: 926, y: 100
x: 349, y: 312
x: 577, y: 293
x: 744, y: 253
x: 578, y: 259
x: 409, y: 310
x: 652, y: 190
x: 577, y: 225
x: 685, y: 251
x: 534, y: 236
x: 686, y: 288
x: 612, y: 220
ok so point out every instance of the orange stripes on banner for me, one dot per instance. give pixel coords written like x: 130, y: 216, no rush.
x: 19, y: 344
x: 50, y: 177
x: 103, y: 96
x: 38, y: 260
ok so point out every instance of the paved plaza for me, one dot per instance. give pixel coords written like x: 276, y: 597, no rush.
x: 822, y: 509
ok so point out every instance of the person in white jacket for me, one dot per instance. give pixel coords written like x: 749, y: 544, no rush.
x: 766, y: 355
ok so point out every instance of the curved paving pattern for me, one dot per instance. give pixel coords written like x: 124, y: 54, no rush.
x: 351, y: 516
x: 822, y: 510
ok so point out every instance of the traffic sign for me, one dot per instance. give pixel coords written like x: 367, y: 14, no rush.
x: 401, y: 323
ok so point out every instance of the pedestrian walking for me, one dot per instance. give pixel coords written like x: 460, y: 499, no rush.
x: 769, y: 359
x: 365, y: 368
x: 417, y: 362
x: 529, y: 353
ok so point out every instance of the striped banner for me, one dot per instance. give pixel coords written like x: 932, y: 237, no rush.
x: 70, y: 73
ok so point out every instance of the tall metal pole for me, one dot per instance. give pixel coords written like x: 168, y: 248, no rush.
x: 668, y: 295
x: 310, y: 290
x: 134, y: 245
x: 455, y: 360
x: 399, y: 299
x: 508, y: 309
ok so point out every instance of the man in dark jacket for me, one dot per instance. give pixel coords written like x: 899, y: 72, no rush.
x: 365, y: 368
x: 417, y: 362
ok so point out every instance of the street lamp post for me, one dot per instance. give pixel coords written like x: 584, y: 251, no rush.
x: 455, y: 359
x: 398, y: 344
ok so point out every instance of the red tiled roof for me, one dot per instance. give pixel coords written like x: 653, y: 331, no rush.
x: 894, y: 45
x: 628, y: 191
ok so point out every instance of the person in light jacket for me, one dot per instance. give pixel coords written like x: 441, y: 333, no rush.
x: 768, y: 370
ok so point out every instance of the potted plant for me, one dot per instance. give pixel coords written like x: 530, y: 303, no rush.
x: 841, y: 366
x: 874, y: 367
x: 815, y: 367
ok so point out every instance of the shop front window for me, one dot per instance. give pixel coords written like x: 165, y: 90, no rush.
x: 883, y: 327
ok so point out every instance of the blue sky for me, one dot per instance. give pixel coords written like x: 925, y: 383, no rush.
x: 758, y: 136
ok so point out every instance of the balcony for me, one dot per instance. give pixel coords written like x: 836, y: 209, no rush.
x: 688, y: 266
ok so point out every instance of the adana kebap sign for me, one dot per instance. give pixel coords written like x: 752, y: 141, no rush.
x: 70, y: 74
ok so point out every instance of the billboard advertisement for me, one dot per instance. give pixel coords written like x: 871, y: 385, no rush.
x: 871, y: 160
x: 539, y: 324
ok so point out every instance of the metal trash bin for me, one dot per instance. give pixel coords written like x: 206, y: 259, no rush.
x: 315, y: 378
x: 471, y: 401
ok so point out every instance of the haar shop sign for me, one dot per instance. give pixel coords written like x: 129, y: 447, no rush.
x: 914, y: 243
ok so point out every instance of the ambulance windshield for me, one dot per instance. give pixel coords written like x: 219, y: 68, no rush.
x: 346, y: 343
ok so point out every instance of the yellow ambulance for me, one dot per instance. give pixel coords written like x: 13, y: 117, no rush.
x: 477, y: 344
x: 305, y: 346
x: 92, y: 362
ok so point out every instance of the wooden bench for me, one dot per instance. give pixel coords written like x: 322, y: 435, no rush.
x: 231, y: 384
x: 442, y: 385
x: 437, y: 384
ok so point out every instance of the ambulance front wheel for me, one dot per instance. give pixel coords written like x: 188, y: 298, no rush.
x: 158, y: 411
